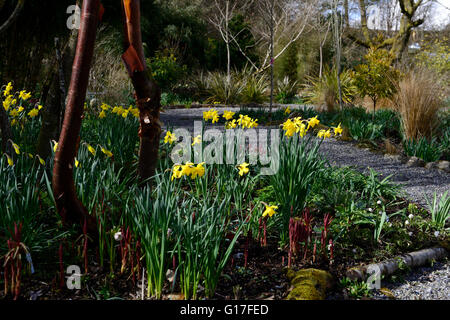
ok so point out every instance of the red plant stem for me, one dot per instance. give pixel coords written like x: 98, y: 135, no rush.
x: 69, y: 206
x: 249, y: 236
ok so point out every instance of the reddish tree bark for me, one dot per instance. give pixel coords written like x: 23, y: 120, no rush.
x: 69, y: 206
x: 147, y: 92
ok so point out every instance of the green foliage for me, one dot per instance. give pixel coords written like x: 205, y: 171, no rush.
x: 376, y: 78
x: 427, y: 150
x: 300, y: 163
x: 286, y: 90
x: 435, y: 55
x: 440, y: 211
x: 324, y: 91
x: 361, y: 130
x: 355, y: 289
x: 166, y: 70
x: 223, y: 91
x: 255, y: 88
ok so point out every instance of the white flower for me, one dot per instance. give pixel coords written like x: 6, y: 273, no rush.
x: 411, y: 216
x: 436, y: 234
x: 370, y: 209
x: 118, y: 236
x: 379, y: 202
x: 406, y: 222
x: 410, y: 233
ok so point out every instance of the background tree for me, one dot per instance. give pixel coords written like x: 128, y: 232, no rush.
x: 376, y: 78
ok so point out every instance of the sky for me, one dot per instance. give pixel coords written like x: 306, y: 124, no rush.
x: 438, y: 15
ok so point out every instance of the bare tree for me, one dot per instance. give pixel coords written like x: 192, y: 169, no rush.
x: 220, y: 14
x: 410, y: 11
x: 337, y: 41
x: 14, y: 15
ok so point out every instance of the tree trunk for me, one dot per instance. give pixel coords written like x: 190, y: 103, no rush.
x: 147, y: 92
x: 69, y: 206
x: 55, y: 100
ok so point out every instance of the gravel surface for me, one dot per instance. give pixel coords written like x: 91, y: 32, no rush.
x: 424, y: 283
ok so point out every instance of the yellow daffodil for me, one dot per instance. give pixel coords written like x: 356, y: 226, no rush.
x: 324, y: 134
x: 338, y: 130
x: 77, y: 163
x: 228, y: 115
x: 33, y: 113
x: 170, y: 137
x: 270, y: 210
x: 40, y: 107
x: 107, y: 152
x: 287, y: 110
x: 20, y: 109
x: 41, y: 161
x: 231, y: 124
x: 10, y: 161
x: 14, y: 122
x: 16, y: 147
x: 243, y: 168
x: 105, y: 107
x: 91, y: 149
x: 176, y: 172
x: 14, y: 113
x: 8, y: 89
x: 200, y: 170
x: 8, y: 102
x: 196, y: 140
x: 211, y: 114
x: 102, y: 114
x: 24, y: 95
x: 55, y: 146
x: 313, y: 122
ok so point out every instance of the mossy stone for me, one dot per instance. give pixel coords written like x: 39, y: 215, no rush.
x: 309, y: 284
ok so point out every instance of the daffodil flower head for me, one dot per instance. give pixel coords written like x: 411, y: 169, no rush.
x: 33, y: 113
x: 338, y: 130
x: 287, y: 110
x: 91, y: 149
x: 243, y: 168
x: 10, y: 160
x: 228, y: 115
x: 196, y: 140
x: 313, y: 122
x: 107, y: 152
x: 170, y: 137
x: 270, y: 210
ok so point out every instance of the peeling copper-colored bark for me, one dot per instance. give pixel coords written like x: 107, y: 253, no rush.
x: 147, y: 92
x: 69, y: 206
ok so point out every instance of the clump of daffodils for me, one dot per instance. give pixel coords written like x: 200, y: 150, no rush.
x: 211, y: 114
x: 120, y: 111
x: 302, y: 126
x: 188, y: 169
x: 244, y: 122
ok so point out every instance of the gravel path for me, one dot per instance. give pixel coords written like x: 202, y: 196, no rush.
x: 425, y: 283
